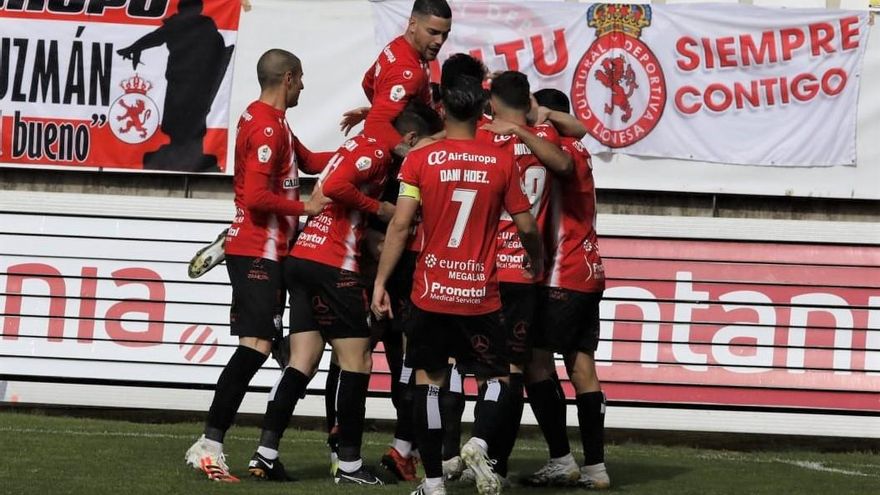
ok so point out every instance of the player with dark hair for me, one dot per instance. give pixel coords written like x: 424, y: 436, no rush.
x: 267, y: 161
x: 537, y: 156
x: 458, y: 182
x: 568, y: 317
x: 401, y: 73
x: 328, y: 299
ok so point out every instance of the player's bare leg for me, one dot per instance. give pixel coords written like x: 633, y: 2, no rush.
x: 591, y: 418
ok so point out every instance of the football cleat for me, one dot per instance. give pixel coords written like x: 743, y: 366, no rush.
x: 266, y: 469
x: 476, y: 458
x: 557, y: 472
x: 594, y: 477
x: 333, y: 444
x: 403, y: 468
x: 362, y: 476
x: 453, y: 468
x: 210, y: 461
x: 208, y: 257
x: 424, y: 490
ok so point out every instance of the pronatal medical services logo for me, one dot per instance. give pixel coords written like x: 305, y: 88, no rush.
x: 134, y: 117
x: 618, y: 90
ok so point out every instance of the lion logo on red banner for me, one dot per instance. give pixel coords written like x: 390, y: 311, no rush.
x: 619, y: 90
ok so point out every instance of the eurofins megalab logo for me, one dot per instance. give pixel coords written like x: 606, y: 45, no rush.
x: 619, y: 90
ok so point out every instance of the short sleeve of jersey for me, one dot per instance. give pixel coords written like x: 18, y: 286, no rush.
x: 410, y: 170
x: 515, y: 200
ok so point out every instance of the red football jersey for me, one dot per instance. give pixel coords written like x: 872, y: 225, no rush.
x: 463, y: 185
x: 572, y: 246
x: 266, y: 183
x: 398, y: 74
x: 536, y: 185
x: 353, y: 179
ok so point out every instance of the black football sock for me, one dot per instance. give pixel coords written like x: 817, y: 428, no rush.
x: 491, y: 412
x: 289, y: 389
x: 548, y: 404
x: 231, y: 388
x: 591, y: 418
x: 393, y: 344
x: 403, y: 430
x: 452, y: 407
x: 351, y: 407
x: 507, y: 439
x: 428, y: 423
x: 330, y: 395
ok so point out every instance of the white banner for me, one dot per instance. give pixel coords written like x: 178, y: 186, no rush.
x: 719, y: 83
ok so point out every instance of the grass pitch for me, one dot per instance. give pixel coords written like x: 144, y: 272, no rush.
x: 55, y: 455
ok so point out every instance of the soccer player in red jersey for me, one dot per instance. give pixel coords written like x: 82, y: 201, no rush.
x: 462, y: 186
x: 267, y: 160
x: 568, y: 318
x: 327, y: 296
x: 538, y: 156
x: 401, y: 73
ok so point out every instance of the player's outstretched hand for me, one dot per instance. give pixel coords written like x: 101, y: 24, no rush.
x: 352, y: 118
x: 381, y: 304
x: 500, y: 127
x: 316, y: 202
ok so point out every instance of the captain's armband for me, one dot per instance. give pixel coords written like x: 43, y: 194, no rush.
x: 409, y: 191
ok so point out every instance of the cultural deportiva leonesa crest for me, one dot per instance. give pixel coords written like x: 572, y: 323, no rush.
x: 619, y: 90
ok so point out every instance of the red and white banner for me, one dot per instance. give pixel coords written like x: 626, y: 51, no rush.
x: 684, y: 322
x: 132, y: 84
x: 719, y: 83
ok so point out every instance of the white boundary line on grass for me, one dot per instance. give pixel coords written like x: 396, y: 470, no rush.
x: 811, y: 465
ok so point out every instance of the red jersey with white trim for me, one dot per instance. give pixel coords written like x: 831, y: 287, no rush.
x: 536, y: 184
x: 398, y: 75
x: 463, y: 185
x: 353, y: 179
x: 572, y: 245
x: 266, y: 183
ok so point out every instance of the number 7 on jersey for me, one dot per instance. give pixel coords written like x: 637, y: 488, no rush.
x: 466, y: 197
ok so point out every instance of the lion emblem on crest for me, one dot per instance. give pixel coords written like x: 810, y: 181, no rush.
x: 618, y: 76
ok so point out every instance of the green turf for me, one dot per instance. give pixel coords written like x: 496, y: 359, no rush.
x: 55, y: 455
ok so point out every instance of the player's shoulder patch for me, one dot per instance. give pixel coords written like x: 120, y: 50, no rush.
x: 363, y: 163
x: 398, y: 93
x: 264, y: 153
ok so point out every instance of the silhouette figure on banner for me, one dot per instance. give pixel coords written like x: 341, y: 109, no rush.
x: 197, y: 61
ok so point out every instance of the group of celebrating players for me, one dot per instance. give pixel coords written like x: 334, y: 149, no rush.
x: 483, y: 252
